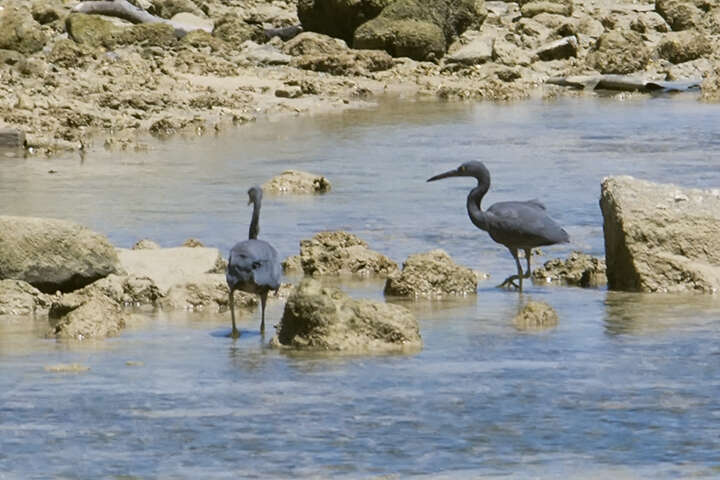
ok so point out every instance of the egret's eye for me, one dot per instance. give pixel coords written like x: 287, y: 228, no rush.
x: 462, y: 168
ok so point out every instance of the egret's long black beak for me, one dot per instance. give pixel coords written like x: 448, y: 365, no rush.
x: 451, y: 173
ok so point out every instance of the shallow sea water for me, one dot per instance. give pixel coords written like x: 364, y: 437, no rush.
x: 626, y: 386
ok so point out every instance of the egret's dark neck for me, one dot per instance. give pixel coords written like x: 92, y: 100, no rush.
x: 255, y: 222
x: 477, y: 216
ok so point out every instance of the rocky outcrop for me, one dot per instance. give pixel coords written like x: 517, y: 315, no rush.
x: 338, y: 18
x: 325, y: 318
x: 311, y: 43
x: 340, y: 253
x: 21, y: 298
x: 680, y: 14
x: 294, y: 181
x: 578, y: 269
x: 349, y: 62
x: 660, y: 238
x: 619, y: 51
x: 81, y: 317
x: 432, y: 275
x: 125, y: 290
x: 53, y: 254
x: 20, y: 32
x: 535, y: 316
x: 419, y: 29
x: 711, y: 86
x: 205, y: 293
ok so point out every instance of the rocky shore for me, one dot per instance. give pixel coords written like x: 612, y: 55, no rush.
x: 76, y: 81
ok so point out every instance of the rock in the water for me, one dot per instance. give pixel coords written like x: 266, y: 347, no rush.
x: 293, y: 181
x: 619, y: 52
x: 535, y: 316
x: 338, y: 18
x: 81, y: 317
x: 578, y: 269
x: 338, y: 253
x: 20, y: 32
x: 660, y: 238
x: 21, y: 298
x: 419, y: 29
x: 125, y: 290
x: 433, y: 274
x: 711, y: 86
x: 207, y: 292
x: 53, y: 254
x: 169, y: 266
x: 145, y: 244
x: 325, y: 318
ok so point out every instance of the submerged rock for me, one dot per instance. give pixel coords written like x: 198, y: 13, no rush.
x: 21, y: 298
x: 337, y: 253
x: 535, y: 315
x: 294, y: 181
x: 432, y: 274
x: 660, y: 238
x: 80, y: 317
x: 53, y: 254
x: 578, y: 269
x: 325, y: 318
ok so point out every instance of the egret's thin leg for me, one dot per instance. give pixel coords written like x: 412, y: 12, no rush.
x: 235, y: 333
x: 263, y: 301
x: 510, y: 280
x: 528, y: 253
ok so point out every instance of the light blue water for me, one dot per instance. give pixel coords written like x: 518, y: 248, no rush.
x: 626, y: 386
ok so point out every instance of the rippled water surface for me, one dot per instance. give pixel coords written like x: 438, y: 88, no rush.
x: 626, y: 386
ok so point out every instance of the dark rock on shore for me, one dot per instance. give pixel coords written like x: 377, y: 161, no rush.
x: 338, y: 18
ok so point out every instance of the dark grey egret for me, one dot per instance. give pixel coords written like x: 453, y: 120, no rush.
x: 517, y: 225
x: 253, y: 264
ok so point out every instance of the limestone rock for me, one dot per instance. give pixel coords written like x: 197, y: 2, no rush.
x: 95, y: 31
x: 711, y: 86
x: 145, y: 244
x: 352, y: 62
x: 82, y: 317
x: 325, y: 318
x: 338, y: 252
x: 207, y: 292
x: 294, y: 181
x: 679, y: 47
x: 125, y: 290
x: 263, y: 54
x: 535, y: 316
x: 660, y: 238
x: 477, y: 50
x: 169, y: 266
x: 556, y: 7
x: 578, y: 269
x: 680, y: 14
x: 338, y: 18
x: 566, y: 47
x: 619, y: 52
x: 235, y: 31
x: 21, y: 298
x: 53, y: 254
x: 419, y: 29
x: 20, y: 32
x: 311, y: 43
x: 433, y: 274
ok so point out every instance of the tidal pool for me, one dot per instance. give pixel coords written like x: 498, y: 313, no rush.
x: 626, y: 386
